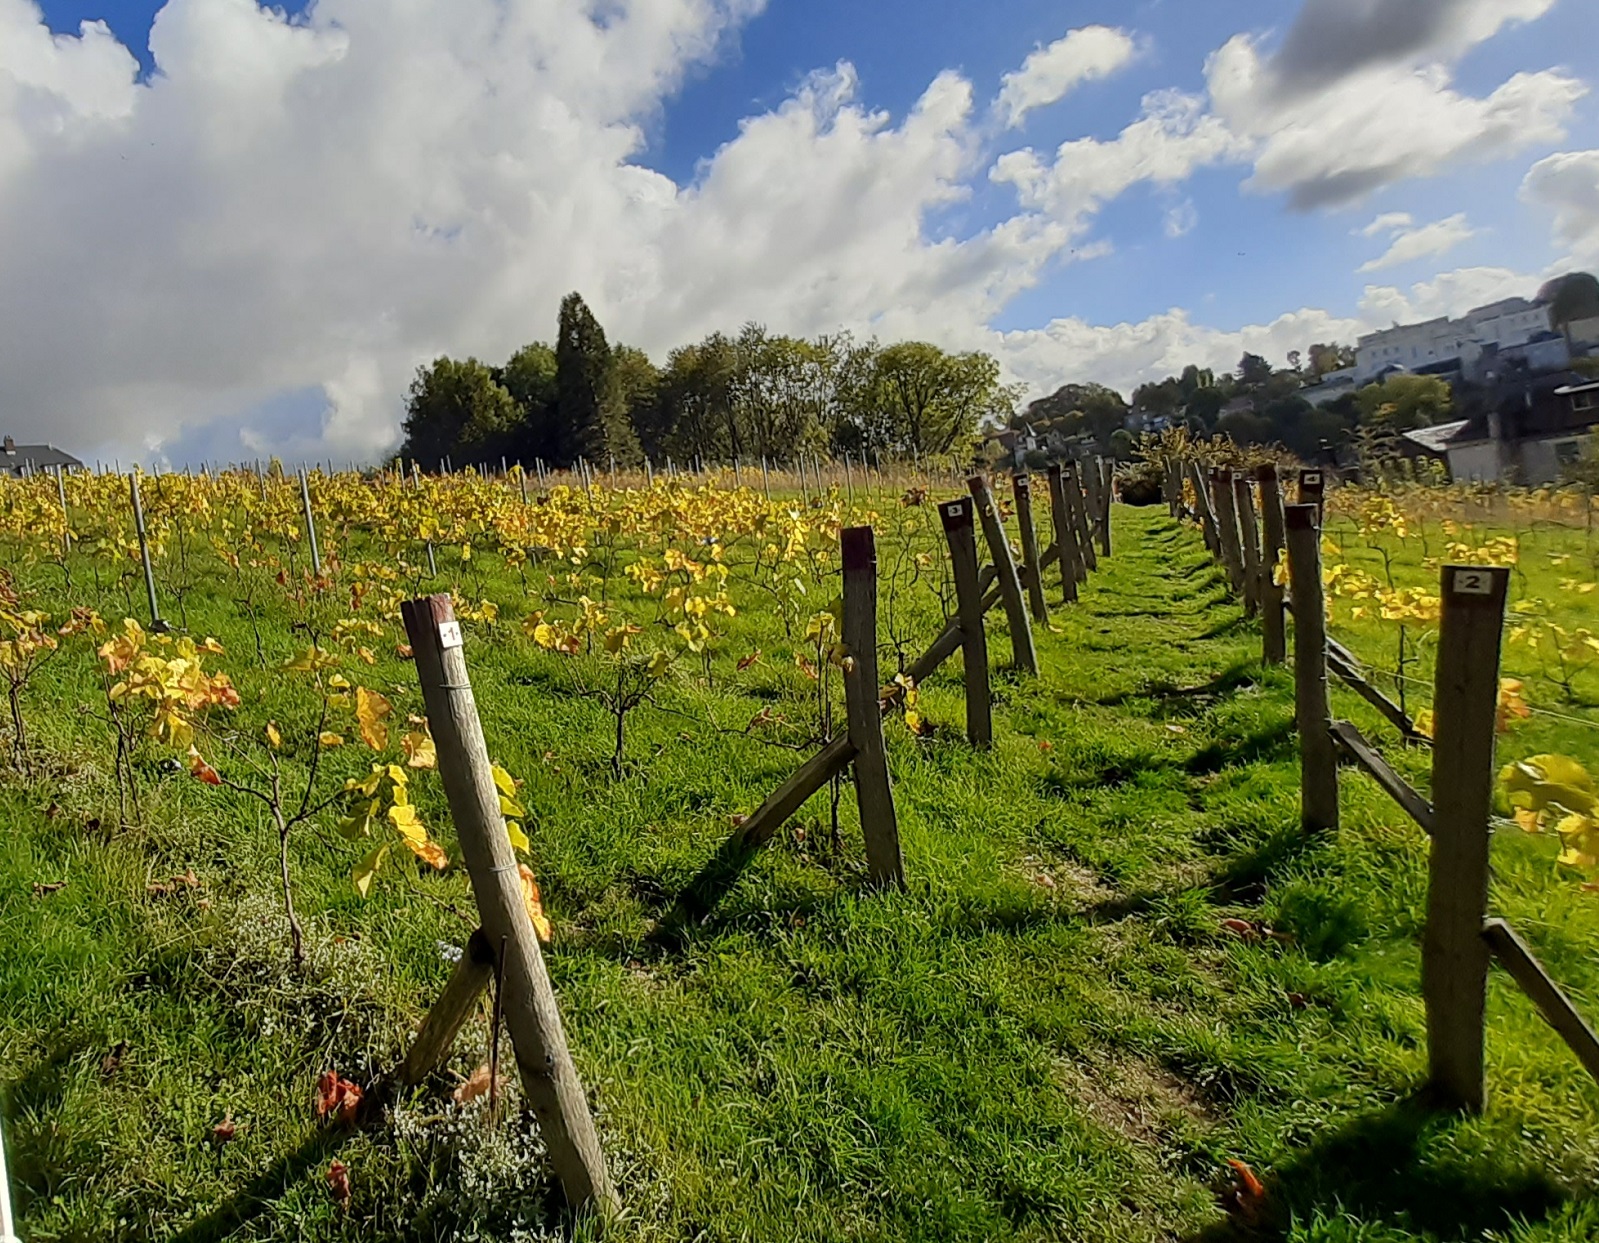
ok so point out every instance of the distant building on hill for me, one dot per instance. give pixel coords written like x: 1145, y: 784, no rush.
x: 1529, y: 432
x: 1504, y: 325
x: 18, y: 460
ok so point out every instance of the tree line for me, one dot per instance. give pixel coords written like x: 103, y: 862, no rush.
x: 757, y: 394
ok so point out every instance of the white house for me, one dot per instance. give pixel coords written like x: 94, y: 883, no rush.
x: 1504, y: 324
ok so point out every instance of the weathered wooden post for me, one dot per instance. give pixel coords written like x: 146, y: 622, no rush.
x: 1107, y: 495
x: 156, y: 622
x: 1313, y: 490
x: 474, y: 970
x: 66, y: 514
x: 1318, y: 759
x: 1275, y: 641
x: 1202, y: 506
x: 1086, y: 559
x: 961, y: 536
x: 521, y: 479
x: 1032, y: 572
x: 549, y: 1078
x: 766, y: 480
x: 873, y: 793
x: 1010, y: 583
x: 1249, y: 528
x: 1065, y: 536
x: 1226, y: 509
x: 310, y: 522
x: 1454, y: 956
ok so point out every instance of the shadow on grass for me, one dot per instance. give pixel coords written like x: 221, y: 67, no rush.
x: 1395, y: 1167
x: 262, y: 1191
x: 1239, y: 676
x: 1275, y: 742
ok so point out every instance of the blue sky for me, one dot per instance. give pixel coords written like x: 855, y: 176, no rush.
x: 1245, y: 259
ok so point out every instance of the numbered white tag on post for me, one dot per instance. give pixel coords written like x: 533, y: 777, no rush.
x: 449, y: 635
x: 1473, y: 583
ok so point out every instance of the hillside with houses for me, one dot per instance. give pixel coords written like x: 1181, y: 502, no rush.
x: 1507, y: 391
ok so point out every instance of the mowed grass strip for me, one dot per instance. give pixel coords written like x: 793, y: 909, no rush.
x: 1049, y: 1035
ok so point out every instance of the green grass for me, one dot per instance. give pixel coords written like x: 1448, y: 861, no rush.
x: 1049, y: 1035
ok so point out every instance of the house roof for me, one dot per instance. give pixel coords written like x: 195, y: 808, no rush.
x: 16, y: 456
x: 1436, y: 439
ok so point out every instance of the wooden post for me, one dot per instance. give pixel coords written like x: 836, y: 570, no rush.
x: 1275, y: 641
x: 873, y: 793
x: 1065, y: 536
x: 156, y: 623
x: 66, y: 514
x: 1086, y: 560
x: 473, y: 972
x: 1312, y: 490
x: 1249, y: 528
x: 962, y: 539
x: 310, y: 522
x: 1010, y: 583
x: 521, y: 479
x: 1107, y: 494
x: 1202, y: 507
x: 1555, y: 1006
x: 549, y: 1078
x: 1032, y: 571
x: 1226, y: 510
x: 1454, y: 957
x: 766, y: 480
x: 1318, y: 759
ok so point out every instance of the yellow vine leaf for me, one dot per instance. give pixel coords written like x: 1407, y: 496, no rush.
x: 371, y: 709
x: 367, y: 869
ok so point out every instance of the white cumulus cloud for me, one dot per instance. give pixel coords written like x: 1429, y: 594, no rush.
x: 1051, y: 73
x: 1421, y: 241
x: 1171, y: 139
x: 1567, y: 185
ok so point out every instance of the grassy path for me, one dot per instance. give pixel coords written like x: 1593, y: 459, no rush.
x: 1050, y: 1035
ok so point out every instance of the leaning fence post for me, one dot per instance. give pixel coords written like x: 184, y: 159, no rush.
x: 310, y: 522
x: 962, y: 539
x: 549, y: 1078
x: 156, y: 623
x: 1454, y: 957
x: 1318, y: 760
x: 873, y: 793
x: 1226, y: 509
x: 1249, y: 528
x: 1070, y: 562
x: 1203, y: 510
x: 1275, y: 643
x: 1010, y: 583
x: 1086, y: 560
x: 1022, y: 489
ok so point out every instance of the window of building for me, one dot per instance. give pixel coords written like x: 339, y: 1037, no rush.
x: 1567, y: 452
x: 1585, y: 401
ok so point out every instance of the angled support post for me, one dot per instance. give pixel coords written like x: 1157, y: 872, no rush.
x: 1088, y: 561
x: 1010, y: 584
